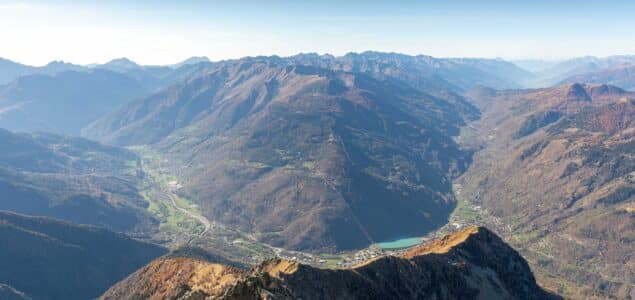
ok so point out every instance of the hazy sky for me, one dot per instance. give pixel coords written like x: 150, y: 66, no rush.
x: 161, y: 32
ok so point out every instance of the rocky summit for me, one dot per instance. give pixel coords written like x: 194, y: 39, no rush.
x: 472, y: 263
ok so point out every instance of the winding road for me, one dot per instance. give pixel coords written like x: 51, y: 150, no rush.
x: 192, y: 215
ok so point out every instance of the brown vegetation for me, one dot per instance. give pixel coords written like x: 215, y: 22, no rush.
x: 559, y: 191
x: 472, y: 264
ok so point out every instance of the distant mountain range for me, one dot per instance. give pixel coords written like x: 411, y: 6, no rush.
x: 11, y: 70
x: 588, y: 69
x: 64, y: 102
x: 64, y: 98
x: 43, y: 258
x: 588, y: 64
x: 621, y: 75
x: 423, y: 72
x: 154, y: 78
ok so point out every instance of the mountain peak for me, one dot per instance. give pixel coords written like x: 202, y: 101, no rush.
x: 192, y: 61
x: 604, y: 90
x: 122, y: 62
x: 58, y: 63
x: 4, y: 61
x: 485, y: 267
x: 577, y: 92
x: 448, y: 242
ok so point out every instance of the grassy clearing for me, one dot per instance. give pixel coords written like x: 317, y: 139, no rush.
x: 170, y: 218
x: 466, y: 136
x: 155, y: 187
x: 464, y: 212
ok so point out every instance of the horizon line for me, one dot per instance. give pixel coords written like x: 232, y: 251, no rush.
x: 508, y: 59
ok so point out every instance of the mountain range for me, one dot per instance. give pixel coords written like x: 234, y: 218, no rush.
x: 588, y: 69
x: 64, y: 98
x: 305, y: 161
x: 622, y: 76
x: 12, y: 70
x: 64, y: 102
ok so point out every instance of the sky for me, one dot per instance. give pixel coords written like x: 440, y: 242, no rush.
x: 164, y: 32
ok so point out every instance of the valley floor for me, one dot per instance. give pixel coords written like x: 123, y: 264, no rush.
x: 182, y: 225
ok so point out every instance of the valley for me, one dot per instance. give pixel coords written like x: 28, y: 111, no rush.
x: 182, y: 225
x: 288, y: 153
x: 317, y: 150
x: 332, y: 164
x: 553, y: 172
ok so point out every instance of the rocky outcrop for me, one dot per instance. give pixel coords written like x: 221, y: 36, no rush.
x: 470, y: 264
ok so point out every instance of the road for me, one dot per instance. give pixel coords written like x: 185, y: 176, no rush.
x: 199, y: 218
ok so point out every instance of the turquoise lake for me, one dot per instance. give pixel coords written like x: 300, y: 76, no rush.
x: 400, y: 243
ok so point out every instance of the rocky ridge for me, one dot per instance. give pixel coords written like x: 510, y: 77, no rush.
x: 469, y: 264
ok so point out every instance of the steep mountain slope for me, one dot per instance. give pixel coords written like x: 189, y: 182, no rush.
x: 71, y: 178
x: 621, y: 76
x: 65, y: 102
x: 557, y: 168
x: 306, y: 158
x: 44, y: 258
x: 471, y: 264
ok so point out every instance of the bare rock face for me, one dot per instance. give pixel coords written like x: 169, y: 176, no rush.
x: 470, y: 264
